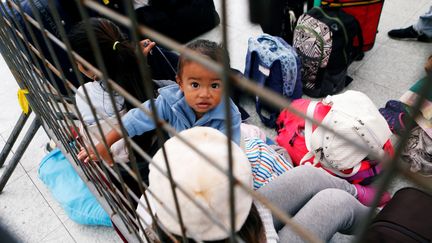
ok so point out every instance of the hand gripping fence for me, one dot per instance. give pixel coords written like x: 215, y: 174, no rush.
x: 36, y: 71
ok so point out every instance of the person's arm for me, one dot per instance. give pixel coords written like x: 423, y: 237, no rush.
x: 137, y: 122
x: 112, y: 137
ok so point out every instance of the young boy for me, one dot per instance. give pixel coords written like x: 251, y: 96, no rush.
x: 196, y: 100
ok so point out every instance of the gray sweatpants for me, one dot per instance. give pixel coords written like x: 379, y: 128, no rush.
x: 424, y: 24
x: 322, y: 203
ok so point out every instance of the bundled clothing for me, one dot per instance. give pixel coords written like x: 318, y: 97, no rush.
x: 395, y: 114
x: 418, y: 152
x: 252, y: 131
x: 266, y: 163
x: 409, y: 98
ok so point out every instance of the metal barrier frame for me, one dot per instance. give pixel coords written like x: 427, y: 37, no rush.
x: 56, y: 112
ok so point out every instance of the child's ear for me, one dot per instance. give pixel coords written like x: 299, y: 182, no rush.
x: 179, y: 82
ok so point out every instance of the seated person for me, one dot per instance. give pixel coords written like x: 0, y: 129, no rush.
x: 121, y: 63
x: 318, y: 201
x: 196, y: 100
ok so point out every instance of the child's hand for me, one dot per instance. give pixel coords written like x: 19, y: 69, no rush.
x: 103, y: 153
x: 84, y: 157
x: 112, y: 137
x: 146, y: 46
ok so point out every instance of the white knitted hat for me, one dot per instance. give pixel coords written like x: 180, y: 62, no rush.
x: 203, y: 182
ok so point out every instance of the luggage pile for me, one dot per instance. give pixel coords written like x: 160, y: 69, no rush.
x: 308, y: 49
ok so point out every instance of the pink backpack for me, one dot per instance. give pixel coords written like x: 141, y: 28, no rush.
x: 291, y: 136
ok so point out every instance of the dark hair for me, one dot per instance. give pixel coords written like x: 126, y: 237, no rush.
x: 252, y: 230
x: 207, y: 48
x: 121, y: 62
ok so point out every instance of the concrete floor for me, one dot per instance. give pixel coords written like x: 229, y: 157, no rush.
x: 30, y: 212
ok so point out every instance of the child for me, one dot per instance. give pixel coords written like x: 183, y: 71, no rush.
x: 122, y: 66
x: 318, y: 201
x: 196, y: 100
x: 121, y: 63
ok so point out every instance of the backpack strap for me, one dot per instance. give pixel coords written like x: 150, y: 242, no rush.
x: 354, y: 171
x: 308, y: 124
x: 358, y: 54
x: 308, y: 134
x: 364, y: 174
x: 268, y: 121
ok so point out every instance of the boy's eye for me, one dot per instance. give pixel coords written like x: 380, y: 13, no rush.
x: 215, y: 85
x: 194, y: 85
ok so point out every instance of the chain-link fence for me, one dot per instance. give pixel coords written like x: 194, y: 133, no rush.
x: 36, y: 58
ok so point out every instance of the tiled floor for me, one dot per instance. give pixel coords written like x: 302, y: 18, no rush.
x: 29, y: 211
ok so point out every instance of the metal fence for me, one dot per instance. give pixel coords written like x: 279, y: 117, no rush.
x: 59, y: 116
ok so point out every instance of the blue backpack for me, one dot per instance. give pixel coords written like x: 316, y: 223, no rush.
x: 274, y: 64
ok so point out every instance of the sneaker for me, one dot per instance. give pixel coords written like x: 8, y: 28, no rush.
x: 366, y: 194
x: 424, y: 38
x: 50, y: 146
x: 409, y: 33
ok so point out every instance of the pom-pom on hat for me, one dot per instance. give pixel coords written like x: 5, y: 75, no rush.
x: 203, y: 182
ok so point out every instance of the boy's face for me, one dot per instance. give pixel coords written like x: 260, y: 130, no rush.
x: 202, y: 88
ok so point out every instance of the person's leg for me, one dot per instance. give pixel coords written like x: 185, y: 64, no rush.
x: 328, y: 212
x: 291, y: 190
x: 422, y: 30
x: 424, y: 24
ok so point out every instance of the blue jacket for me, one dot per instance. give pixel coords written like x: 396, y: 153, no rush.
x: 172, y: 107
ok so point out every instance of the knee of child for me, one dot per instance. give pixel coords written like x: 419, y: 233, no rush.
x: 310, y: 170
x: 335, y: 198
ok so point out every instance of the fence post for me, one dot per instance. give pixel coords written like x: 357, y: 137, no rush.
x: 13, y: 137
x: 34, y: 127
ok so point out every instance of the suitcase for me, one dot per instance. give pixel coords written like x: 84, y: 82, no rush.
x: 367, y: 13
x: 406, y: 218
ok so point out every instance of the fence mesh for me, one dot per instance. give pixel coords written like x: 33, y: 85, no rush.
x: 32, y: 54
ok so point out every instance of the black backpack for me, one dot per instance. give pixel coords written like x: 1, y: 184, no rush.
x: 278, y: 17
x: 406, y: 218
x: 324, y: 39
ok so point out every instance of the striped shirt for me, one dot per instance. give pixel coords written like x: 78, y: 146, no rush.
x: 265, y: 162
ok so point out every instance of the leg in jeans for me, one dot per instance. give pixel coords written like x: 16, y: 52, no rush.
x: 424, y: 24
x: 296, y: 187
x: 328, y: 212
